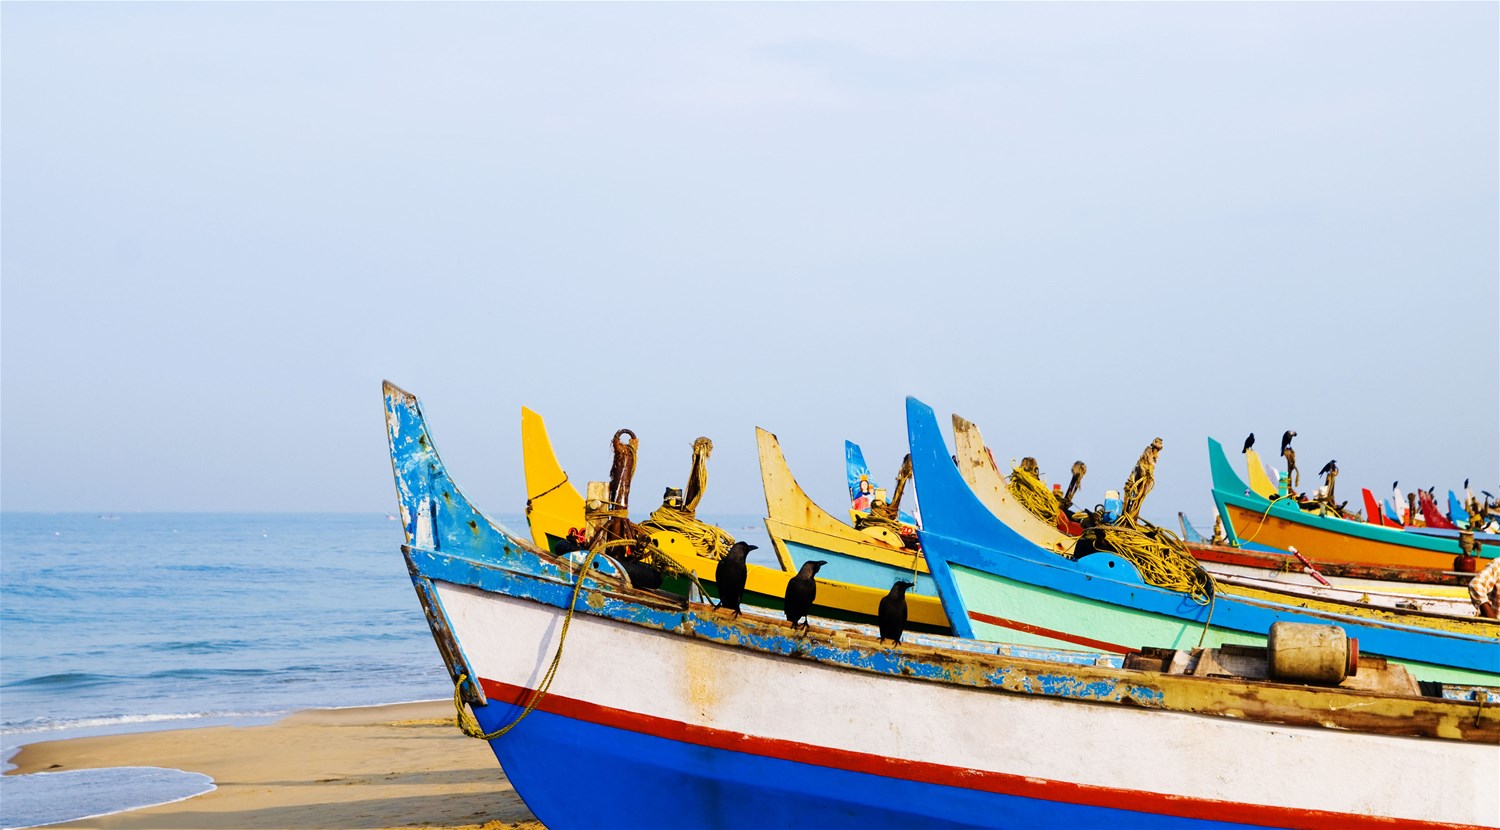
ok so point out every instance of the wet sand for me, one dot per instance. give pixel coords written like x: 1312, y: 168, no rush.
x: 374, y: 768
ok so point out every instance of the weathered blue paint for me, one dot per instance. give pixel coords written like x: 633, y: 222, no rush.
x: 427, y: 495
x: 1033, y: 673
x: 957, y: 529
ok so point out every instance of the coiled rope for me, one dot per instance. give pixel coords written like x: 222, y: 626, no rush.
x: 466, y: 720
x: 710, y: 540
x: 1161, y: 557
x: 1031, y: 492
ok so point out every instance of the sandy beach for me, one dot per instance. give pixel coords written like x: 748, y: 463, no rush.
x: 400, y: 766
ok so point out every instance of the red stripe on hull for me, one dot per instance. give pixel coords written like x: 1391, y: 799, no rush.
x: 993, y: 782
x: 1017, y: 625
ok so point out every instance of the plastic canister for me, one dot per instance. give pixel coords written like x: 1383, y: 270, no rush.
x: 1308, y: 653
x: 1112, y: 505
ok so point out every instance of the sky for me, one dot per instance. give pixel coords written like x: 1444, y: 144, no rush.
x: 1082, y: 226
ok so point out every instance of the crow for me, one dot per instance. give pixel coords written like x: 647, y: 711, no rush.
x: 801, y: 590
x: 641, y: 574
x: 1332, y: 465
x: 729, y: 576
x: 892, y: 612
x: 1249, y: 442
x: 1286, y: 439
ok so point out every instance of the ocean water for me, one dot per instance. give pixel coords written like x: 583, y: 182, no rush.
x: 142, y: 621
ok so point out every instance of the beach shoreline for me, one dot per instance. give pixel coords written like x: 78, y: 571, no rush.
x: 384, y: 767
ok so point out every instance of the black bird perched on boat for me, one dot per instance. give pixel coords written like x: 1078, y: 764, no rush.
x: 892, y: 613
x: 730, y: 576
x: 641, y: 574
x: 801, y: 590
x: 1249, y: 442
x: 1330, y: 466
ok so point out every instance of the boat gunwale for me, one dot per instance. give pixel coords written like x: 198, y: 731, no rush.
x: 1265, y: 701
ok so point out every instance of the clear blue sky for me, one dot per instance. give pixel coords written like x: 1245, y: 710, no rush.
x: 1081, y: 226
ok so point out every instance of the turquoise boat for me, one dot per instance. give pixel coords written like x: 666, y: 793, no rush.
x: 997, y: 585
x: 1252, y: 518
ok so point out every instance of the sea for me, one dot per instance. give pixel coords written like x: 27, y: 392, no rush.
x: 130, y: 622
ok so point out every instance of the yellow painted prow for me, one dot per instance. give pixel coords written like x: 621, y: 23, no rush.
x: 553, y: 504
x: 1260, y: 483
x: 792, y: 517
x: 790, y: 513
x: 987, y: 483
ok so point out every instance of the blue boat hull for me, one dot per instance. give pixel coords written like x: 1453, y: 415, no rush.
x: 695, y: 786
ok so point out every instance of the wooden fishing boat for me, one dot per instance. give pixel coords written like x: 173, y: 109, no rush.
x: 555, y: 507
x: 855, y: 558
x: 1275, y: 570
x: 801, y: 532
x: 653, y: 699
x: 1250, y: 517
x: 998, y: 585
x: 612, y: 707
x: 1287, y: 569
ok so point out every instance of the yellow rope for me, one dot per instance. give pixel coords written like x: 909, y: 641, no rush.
x: 466, y: 719
x: 1161, y: 557
x: 1208, y: 622
x: 711, y: 541
x: 1031, y: 493
x: 1263, y: 516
